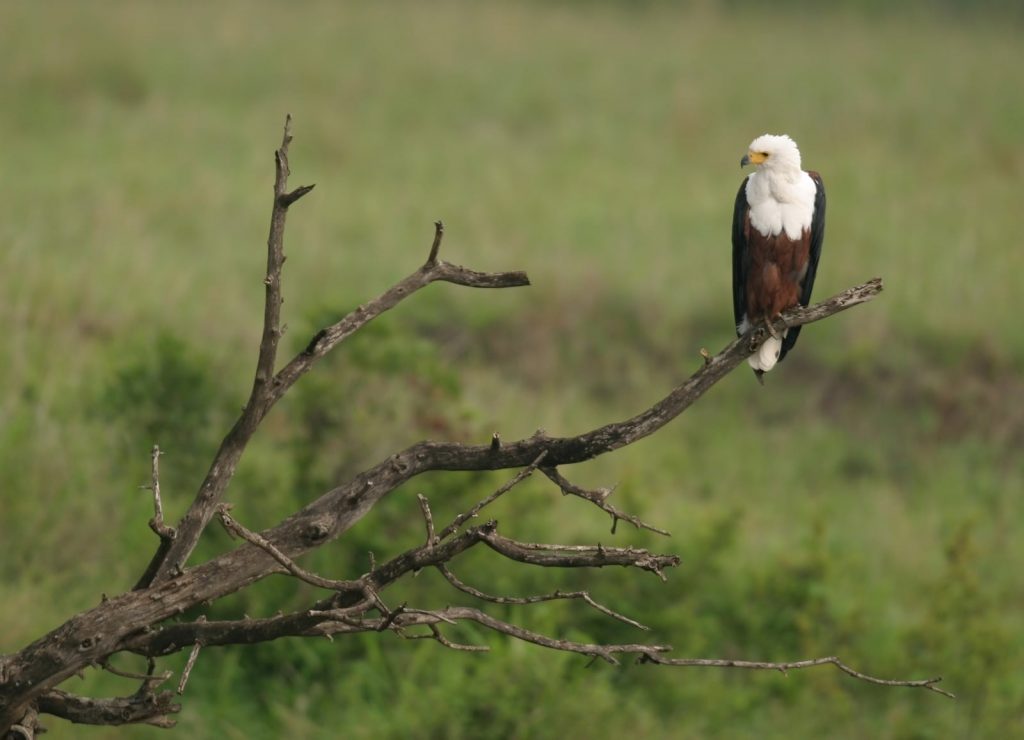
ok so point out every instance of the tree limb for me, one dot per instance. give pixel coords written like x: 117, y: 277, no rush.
x: 598, y: 498
x: 83, y: 643
x: 522, y: 600
x: 929, y: 683
x: 136, y: 621
x: 268, y: 388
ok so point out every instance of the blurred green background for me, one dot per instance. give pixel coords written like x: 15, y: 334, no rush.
x: 866, y: 503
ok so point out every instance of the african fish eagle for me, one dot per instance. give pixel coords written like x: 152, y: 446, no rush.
x: 777, y: 229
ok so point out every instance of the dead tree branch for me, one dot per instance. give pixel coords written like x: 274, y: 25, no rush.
x: 929, y: 683
x: 519, y: 601
x: 598, y: 498
x: 268, y: 388
x: 137, y: 621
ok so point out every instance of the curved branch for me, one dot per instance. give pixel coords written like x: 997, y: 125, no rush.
x: 524, y: 600
x: 470, y: 513
x: 237, y: 530
x: 338, y: 509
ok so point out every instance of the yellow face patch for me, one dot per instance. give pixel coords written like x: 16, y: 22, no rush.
x: 756, y: 157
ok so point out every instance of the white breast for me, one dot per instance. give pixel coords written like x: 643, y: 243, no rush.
x: 780, y: 203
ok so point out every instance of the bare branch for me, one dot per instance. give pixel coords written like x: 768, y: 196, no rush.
x: 249, y: 536
x: 192, y: 656
x: 149, y: 680
x: 91, y: 635
x: 327, y: 338
x: 428, y: 518
x: 436, y: 246
x: 646, y: 653
x: 476, y: 509
x: 170, y: 558
x: 600, y: 499
x: 436, y: 634
x: 157, y: 522
x: 929, y: 684
x: 338, y: 613
x: 512, y: 600
x: 275, y: 262
x: 265, y: 394
x: 461, y: 613
x: 341, y: 507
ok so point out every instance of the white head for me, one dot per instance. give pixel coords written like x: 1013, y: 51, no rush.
x: 774, y: 153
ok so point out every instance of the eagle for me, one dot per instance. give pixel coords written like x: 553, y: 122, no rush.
x: 778, y: 226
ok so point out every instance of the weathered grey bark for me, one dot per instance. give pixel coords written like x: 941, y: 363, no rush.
x: 134, y: 621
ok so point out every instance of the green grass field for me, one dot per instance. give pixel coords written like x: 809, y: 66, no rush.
x: 866, y: 503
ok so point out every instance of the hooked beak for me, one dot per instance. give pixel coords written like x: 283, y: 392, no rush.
x: 753, y: 158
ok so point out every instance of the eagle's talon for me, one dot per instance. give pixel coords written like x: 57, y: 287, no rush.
x: 757, y: 337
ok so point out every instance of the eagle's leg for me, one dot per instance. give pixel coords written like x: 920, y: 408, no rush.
x: 769, y: 328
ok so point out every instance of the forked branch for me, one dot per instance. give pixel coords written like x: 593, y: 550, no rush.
x: 137, y: 621
x: 269, y: 387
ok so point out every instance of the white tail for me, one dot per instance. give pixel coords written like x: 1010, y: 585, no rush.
x: 767, y: 354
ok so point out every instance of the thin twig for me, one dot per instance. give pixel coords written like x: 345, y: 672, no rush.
x: 436, y: 246
x: 459, y: 613
x: 929, y: 683
x: 343, y: 614
x: 157, y: 522
x: 476, y: 508
x: 188, y: 668
x: 432, y: 538
x: 513, y: 600
x: 599, y: 498
x: 313, y: 579
x: 146, y: 678
x: 436, y: 634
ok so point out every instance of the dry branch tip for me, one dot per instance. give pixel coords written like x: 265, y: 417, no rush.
x: 435, y: 247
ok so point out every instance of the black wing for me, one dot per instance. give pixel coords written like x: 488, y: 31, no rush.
x: 817, y: 237
x: 740, y: 258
